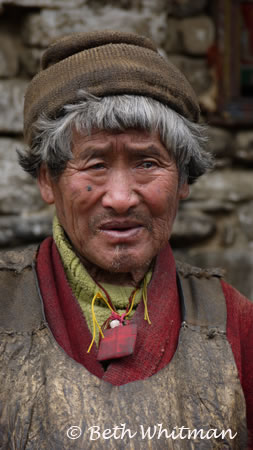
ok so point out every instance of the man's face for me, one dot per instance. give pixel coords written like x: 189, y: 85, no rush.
x: 117, y: 198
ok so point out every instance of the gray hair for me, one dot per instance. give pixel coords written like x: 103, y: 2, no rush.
x: 51, y: 144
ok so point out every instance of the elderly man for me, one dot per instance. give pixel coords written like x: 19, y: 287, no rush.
x: 106, y: 343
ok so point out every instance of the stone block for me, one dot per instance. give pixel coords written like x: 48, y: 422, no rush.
x: 244, y: 146
x: 245, y: 216
x: 11, y: 105
x: 40, y: 28
x: 223, y: 162
x: 155, y: 7
x: 16, y: 230
x: 220, y: 142
x: 185, y: 8
x: 44, y: 3
x: 30, y: 60
x: 195, y: 70
x: 208, y: 99
x: 18, y: 191
x: 172, y: 42
x: 157, y: 29
x: 229, y: 234
x: 8, y: 149
x: 9, y: 62
x: 197, y: 34
x: 222, y: 190
x: 244, y: 140
x: 191, y: 227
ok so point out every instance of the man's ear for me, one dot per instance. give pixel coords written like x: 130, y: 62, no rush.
x: 45, y: 185
x: 184, y: 191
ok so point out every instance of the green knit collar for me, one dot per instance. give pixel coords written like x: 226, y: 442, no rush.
x: 83, y: 285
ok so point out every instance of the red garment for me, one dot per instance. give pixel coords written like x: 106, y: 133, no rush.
x: 156, y: 343
x: 152, y: 351
x: 240, y: 337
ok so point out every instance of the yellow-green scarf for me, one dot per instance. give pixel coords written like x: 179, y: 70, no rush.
x: 84, y: 287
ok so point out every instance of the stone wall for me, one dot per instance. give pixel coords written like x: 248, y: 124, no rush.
x: 215, y: 225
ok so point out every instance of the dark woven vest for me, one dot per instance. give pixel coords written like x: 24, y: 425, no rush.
x: 49, y: 401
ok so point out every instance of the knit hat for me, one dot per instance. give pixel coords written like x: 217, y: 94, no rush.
x: 104, y: 63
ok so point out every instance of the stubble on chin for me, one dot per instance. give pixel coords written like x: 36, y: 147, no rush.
x: 123, y: 262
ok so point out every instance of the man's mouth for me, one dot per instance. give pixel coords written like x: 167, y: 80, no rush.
x: 121, y: 229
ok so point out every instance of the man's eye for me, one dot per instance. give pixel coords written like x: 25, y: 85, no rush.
x: 148, y: 164
x: 98, y: 166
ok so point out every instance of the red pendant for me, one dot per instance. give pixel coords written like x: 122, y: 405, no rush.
x: 117, y: 342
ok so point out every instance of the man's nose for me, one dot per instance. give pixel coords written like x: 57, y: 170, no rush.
x: 120, y: 193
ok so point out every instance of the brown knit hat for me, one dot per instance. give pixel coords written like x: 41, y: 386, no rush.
x: 104, y: 63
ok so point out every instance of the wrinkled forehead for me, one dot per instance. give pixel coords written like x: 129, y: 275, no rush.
x: 107, y: 139
x: 137, y: 134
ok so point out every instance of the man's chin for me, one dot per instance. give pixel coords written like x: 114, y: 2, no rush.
x: 128, y: 264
